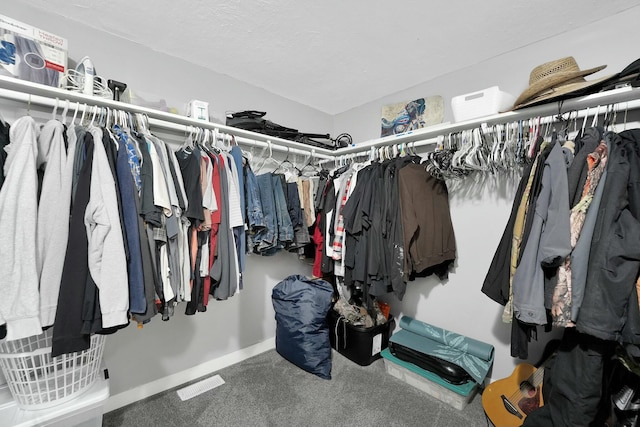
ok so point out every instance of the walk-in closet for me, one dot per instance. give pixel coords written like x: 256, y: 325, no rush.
x: 278, y: 213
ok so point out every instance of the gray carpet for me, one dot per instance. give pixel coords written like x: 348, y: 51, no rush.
x: 267, y: 390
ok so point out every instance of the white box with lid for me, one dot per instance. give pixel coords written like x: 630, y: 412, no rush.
x: 482, y: 103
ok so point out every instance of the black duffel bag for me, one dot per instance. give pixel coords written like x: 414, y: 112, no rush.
x: 254, y: 121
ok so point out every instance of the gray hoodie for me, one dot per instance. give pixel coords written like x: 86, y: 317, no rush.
x: 53, y: 214
x: 19, y: 305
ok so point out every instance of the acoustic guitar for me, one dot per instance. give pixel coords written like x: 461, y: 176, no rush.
x: 508, y: 401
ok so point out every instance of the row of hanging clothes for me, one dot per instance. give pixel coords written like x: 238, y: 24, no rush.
x: 569, y: 258
x: 103, y: 223
x: 284, y: 198
x: 381, y: 223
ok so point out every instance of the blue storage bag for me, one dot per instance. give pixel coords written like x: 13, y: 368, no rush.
x: 302, y: 331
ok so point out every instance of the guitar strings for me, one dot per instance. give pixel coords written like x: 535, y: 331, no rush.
x: 533, y: 379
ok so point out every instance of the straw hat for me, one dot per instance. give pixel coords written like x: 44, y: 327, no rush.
x: 556, y: 78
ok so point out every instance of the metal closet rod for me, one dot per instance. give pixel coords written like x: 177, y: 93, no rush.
x: 626, y: 98
x: 41, y: 95
x: 622, y: 99
x: 619, y: 100
x: 408, y: 145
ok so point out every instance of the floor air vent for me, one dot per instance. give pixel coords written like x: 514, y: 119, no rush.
x: 200, y: 387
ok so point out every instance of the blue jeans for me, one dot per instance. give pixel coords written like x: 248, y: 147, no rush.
x: 295, y: 210
x: 254, y: 213
x: 285, y: 229
x: 266, y: 237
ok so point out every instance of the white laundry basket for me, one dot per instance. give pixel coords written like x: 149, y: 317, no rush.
x: 37, y: 380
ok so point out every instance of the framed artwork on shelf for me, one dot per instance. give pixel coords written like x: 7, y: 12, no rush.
x: 404, y: 117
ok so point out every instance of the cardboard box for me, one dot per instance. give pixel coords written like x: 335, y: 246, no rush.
x: 30, y: 53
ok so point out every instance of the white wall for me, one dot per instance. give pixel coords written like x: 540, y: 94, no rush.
x: 480, y: 212
x: 611, y: 41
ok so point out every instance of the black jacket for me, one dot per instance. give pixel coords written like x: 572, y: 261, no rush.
x: 614, y: 260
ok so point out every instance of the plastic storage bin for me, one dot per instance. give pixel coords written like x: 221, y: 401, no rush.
x: 358, y: 344
x: 457, y: 396
x: 482, y: 103
x: 37, y: 380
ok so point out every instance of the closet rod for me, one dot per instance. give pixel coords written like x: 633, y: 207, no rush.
x: 622, y: 98
x: 37, y: 94
x: 431, y: 142
x: 243, y: 141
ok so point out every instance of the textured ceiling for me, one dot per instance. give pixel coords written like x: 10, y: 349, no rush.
x: 334, y: 55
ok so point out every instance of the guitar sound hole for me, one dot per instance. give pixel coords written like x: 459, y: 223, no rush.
x: 530, y: 398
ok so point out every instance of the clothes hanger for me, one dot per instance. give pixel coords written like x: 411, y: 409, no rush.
x: 132, y: 125
x: 93, y: 117
x: 295, y: 168
x: 584, y: 122
x: 248, y: 155
x: 55, y: 109
x: 413, y: 150
x: 108, y: 122
x: 187, y: 145
x: 75, y: 114
x: 226, y: 141
x: 608, y: 117
x: 65, y: 111
x: 476, y: 158
x: 285, y: 163
x: 203, y: 139
x: 270, y: 158
x: 212, y: 139
x: 613, y: 118
x: 594, y: 123
x: 315, y: 166
x: 501, y: 159
x: 102, y: 117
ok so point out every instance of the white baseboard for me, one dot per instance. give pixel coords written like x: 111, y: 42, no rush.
x: 149, y: 389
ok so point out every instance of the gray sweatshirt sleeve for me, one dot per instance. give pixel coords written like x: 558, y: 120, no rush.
x: 555, y: 241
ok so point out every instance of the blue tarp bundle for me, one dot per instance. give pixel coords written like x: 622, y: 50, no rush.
x: 473, y: 356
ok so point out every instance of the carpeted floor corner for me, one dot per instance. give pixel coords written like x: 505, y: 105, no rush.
x: 267, y: 390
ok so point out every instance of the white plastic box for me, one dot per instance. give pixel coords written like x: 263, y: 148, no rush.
x: 29, y: 53
x: 458, y: 401
x: 479, y: 104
